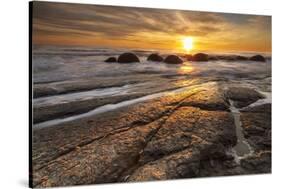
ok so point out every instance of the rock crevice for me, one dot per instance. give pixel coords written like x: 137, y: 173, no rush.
x: 181, y: 135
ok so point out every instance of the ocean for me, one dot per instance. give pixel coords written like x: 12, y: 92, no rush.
x: 66, y: 77
x: 117, y: 122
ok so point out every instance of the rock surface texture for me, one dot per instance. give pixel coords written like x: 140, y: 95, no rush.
x: 200, y: 57
x: 128, y: 58
x: 258, y: 58
x: 173, y: 59
x: 243, y: 96
x: 111, y: 59
x: 182, y: 135
x: 155, y: 57
x: 256, y: 122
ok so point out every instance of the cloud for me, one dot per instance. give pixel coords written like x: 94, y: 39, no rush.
x: 116, y: 21
x: 141, y: 24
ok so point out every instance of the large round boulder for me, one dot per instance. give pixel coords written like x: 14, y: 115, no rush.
x: 111, y: 59
x: 200, y: 57
x: 258, y: 58
x: 128, y: 58
x: 155, y: 57
x: 173, y: 59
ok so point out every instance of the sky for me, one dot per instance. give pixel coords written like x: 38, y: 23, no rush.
x: 146, y: 28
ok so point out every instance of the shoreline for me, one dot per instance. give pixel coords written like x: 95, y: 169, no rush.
x: 141, y: 138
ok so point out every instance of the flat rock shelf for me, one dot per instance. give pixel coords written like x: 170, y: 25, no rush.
x: 184, y: 133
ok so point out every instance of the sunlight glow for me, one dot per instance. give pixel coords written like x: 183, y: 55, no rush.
x: 188, y: 43
x: 185, y: 69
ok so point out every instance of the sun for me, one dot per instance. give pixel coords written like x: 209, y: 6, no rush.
x: 188, y: 43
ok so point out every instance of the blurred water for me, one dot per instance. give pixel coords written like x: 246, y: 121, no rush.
x: 65, y: 63
x: 77, y: 74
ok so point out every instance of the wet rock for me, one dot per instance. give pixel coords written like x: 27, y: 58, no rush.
x: 227, y: 57
x: 200, y: 57
x: 173, y: 59
x: 263, y: 108
x: 258, y: 58
x: 64, y: 87
x: 111, y: 59
x: 242, y: 96
x: 217, y: 167
x: 207, y: 99
x: 189, y: 126
x: 256, y: 123
x: 101, y: 161
x: 233, y: 57
x: 61, y: 110
x: 183, y: 135
x: 206, y: 57
x: 40, y: 90
x: 183, y: 142
x: 80, y: 151
x: 188, y: 57
x: 239, y: 57
x: 52, y: 142
x: 178, y: 165
x: 212, y: 57
x: 257, y: 163
x: 155, y: 57
x: 128, y: 58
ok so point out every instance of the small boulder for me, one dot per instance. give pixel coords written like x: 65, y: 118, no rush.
x: 173, y: 59
x: 128, y: 58
x: 239, y: 57
x: 155, y: 57
x: 213, y: 57
x: 111, y: 59
x: 258, y: 58
x: 200, y: 57
x: 188, y: 57
x: 227, y: 57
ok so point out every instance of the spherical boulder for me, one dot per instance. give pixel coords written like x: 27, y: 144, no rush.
x: 200, y: 57
x: 258, y: 58
x: 173, y: 59
x: 128, y: 58
x: 213, y: 57
x: 228, y: 57
x: 111, y: 59
x: 188, y: 57
x: 155, y: 57
x: 239, y: 57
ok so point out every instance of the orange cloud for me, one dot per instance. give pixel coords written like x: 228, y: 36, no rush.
x: 92, y: 25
